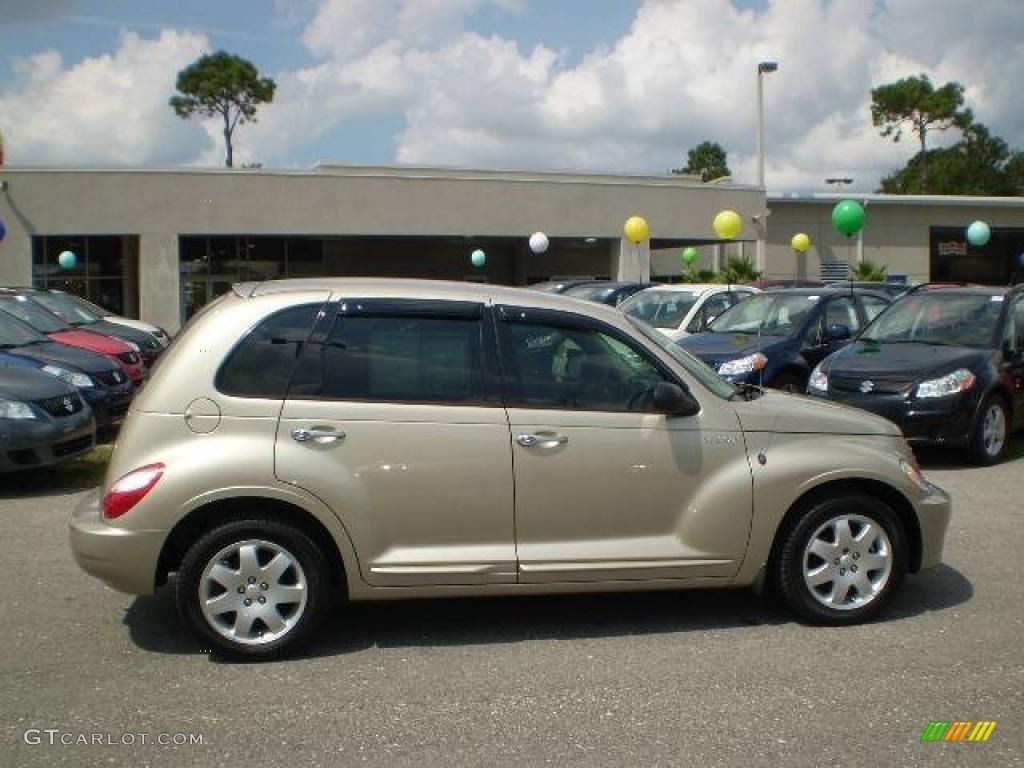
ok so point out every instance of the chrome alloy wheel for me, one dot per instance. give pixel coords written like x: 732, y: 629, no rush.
x: 253, y: 592
x: 993, y: 430
x: 847, y: 562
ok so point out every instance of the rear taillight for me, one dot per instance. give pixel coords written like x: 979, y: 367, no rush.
x: 130, y: 490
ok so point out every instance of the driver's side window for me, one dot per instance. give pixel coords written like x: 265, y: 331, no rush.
x: 575, y: 368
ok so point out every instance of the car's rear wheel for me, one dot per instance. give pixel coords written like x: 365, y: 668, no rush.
x: 253, y: 589
x: 842, y: 560
x: 989, y: 440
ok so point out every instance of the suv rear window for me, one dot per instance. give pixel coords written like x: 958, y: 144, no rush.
x: 261, y: 365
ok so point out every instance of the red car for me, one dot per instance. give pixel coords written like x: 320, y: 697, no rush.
x: 126, y: 355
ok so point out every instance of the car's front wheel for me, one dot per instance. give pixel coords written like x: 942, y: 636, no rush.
x: 989, y: 440
x: 842, y: 560
x: 253, y: 589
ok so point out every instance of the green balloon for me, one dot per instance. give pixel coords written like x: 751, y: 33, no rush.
x: 848, y: 217
x: 690, y: 256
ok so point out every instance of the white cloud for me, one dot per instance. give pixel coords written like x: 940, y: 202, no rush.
x: 108, y: 110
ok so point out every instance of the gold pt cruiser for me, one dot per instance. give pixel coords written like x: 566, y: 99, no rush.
x: 307, y: 440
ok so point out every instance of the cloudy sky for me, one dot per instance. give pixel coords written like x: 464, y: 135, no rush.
x: 604, y: 85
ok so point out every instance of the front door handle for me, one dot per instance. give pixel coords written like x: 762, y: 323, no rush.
x: 541, y: 440
x: 317, y: 434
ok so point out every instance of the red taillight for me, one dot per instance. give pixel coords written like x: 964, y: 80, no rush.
x: 130, y: 490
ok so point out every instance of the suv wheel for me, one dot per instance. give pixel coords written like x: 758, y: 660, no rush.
x: 989, y: 441
x: 842, y: 560
x: 253, y: 589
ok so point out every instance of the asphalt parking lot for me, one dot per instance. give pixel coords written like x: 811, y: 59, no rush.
x: 686, y: 678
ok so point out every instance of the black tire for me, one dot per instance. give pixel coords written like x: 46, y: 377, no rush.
x: 789, y: 381
x: 979, y: 450
x: 301, y: 619
x: 790, y: 563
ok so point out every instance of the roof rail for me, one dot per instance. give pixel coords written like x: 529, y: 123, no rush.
x: 938, y: 284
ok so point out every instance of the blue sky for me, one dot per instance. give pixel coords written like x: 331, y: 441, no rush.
x: 616, y: 85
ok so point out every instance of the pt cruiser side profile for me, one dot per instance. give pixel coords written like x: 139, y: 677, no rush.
x: 307, y: 440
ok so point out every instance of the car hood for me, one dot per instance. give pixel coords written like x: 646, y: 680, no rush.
x: 26, y: 384
x: 715, y: 348
x: 780, y: 412
x: 123, y: 332
x: 62, y: 354
x: 902, y: 360
x: 94, y: 342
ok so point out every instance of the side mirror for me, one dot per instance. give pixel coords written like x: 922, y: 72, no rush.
x: 673, y: 400
x: 838, y: 332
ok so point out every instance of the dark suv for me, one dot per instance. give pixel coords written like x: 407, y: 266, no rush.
x: 775, y: 338
x: 945, y: 363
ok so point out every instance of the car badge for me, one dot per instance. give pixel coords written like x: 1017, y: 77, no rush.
x: 68, y: 405
x: 866, y: 386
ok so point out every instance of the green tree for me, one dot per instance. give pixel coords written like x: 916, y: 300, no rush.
x: 740, y: 269
x: 979, y: 164
x: 915, y: 103
x: 869, y: 271
x: 222, y: 84
x: 707, y: 160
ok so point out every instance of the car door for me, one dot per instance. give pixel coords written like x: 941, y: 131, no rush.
x: 1013, y: 357
x: 606, y: 489
x: 394, y: 420
x: 834, y: 311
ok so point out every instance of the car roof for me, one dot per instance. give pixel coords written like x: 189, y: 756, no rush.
x: 983, y: 290
x: 694, y: 287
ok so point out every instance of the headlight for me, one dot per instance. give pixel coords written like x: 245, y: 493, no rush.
x: 748, y: 364
x: 959, y: 380
x: 913, y: 474
x: 12, y: 409
x: 133, y: 345
x: 818, y: 381
x: 71, y: 377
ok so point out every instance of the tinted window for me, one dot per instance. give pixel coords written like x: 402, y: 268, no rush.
x: 555, y: 366
x: 940, y: 317
x: 29, y: 312
x: 14, y: 333
x: 842, y: 311
x: 395, y: 358
x: 873, y: 306
x: 262, y: 364
x: 770, y: 314
x: 1016, y: 329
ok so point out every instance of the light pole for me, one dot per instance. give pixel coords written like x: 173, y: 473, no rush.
x: 763, y: 67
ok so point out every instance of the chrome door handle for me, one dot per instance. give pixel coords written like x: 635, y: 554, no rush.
x: 543, y: 441
x: 317, y: 434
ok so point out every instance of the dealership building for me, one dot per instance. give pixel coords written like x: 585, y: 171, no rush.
x: 158, y: 244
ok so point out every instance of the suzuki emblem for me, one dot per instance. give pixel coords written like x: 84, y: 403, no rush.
x: 866, y: 386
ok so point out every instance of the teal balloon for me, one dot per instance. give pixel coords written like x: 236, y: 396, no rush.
x: 478, y: 257
x: 690, y: 256
x: 848, y: 217
x: 67, y: 259
x: 978, y: 233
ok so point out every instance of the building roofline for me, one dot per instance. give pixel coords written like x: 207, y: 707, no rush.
x: 874, y: 198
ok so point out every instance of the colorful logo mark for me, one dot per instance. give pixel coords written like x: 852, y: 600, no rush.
x: 958, y: 730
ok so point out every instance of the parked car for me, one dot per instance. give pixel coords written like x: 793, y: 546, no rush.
x: 604, y: 292
x: 71, y: 311
x: 43, y: 420
x: 945, y: 364
x: 767, y: 285
x: 682, y: 309
x: 158, y: 333
x: 775, y: 338
x: 559, y: 286
x: 42, y: 320
x: 309, y: 439
x: 104, y: 386
x: 892, y: 290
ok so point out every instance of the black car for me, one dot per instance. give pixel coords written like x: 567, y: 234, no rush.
x: 604, y: 292
x: 892, y: 290
x: 70, y: 311
x: 775, y: 338
x: 104, y: 386
x: 945, y: 363
x: 558, y: 286
x: 42, y: 420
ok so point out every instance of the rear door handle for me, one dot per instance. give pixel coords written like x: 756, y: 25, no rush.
x: 541, y: 440
x: 317, y: 434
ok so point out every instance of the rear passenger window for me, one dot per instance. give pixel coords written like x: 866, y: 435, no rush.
x: 262, y: 364
x: 395, y: 359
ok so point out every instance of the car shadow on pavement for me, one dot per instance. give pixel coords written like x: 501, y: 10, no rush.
x: 154, y: 626
x: 937, y: 457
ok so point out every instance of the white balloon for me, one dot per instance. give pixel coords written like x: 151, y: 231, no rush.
x: 538, y: 242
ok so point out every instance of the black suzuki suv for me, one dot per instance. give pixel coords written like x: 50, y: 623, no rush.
x: 946, y: 363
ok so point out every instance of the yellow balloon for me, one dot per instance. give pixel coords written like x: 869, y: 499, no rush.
x: 728, y: 224
x: 636, y: 229
x: 800, y: 242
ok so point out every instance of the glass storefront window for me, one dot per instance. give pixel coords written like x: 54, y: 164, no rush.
x: 100, y: 268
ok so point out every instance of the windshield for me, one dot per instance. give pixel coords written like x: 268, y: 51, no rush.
x: 594, y: 292
x: 770, y: 314
x: 715, y: 383
x: 14, y: 333
x: 66, y: 308
x: 965, y: 319
x: 31, y: 313
x: 662, y: 309
x: 95, y: 309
